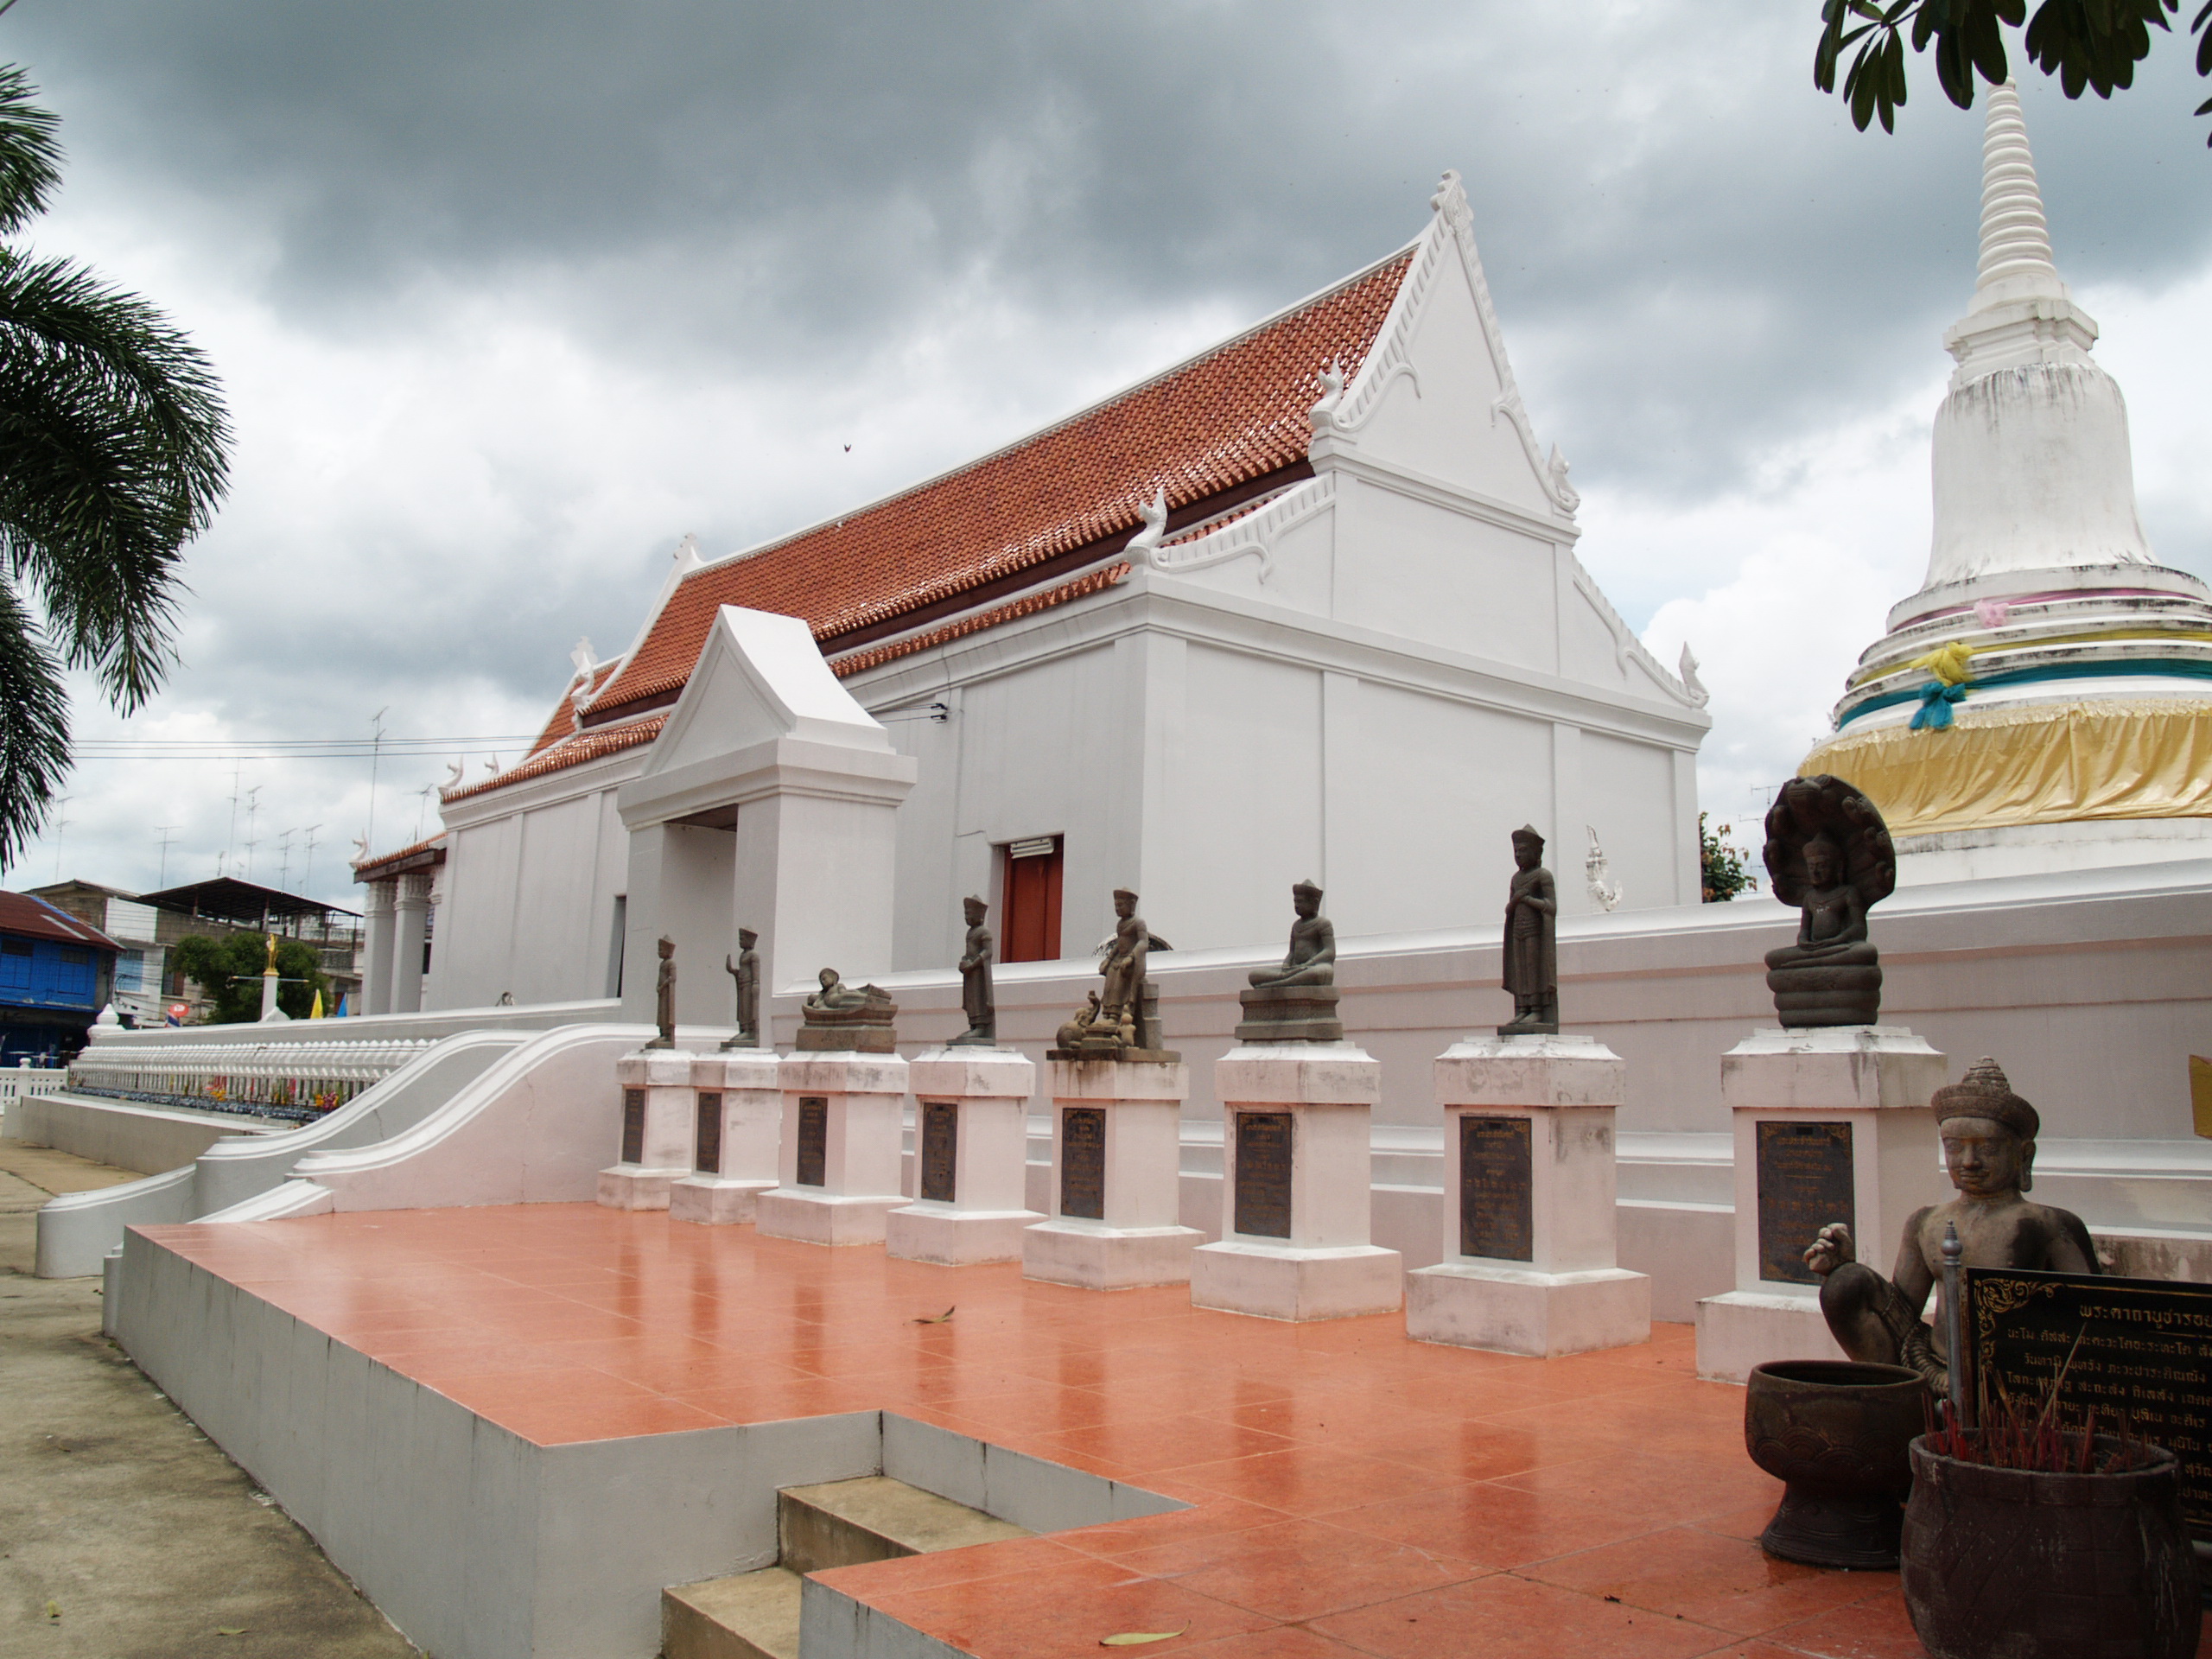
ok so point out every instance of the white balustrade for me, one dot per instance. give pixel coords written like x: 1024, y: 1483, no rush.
x: 302, y: 1079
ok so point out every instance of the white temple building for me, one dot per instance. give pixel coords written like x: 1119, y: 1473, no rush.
x: 2044, y: 701
x: 1306, y: 605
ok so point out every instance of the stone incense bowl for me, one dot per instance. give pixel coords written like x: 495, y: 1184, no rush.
x: 1839, y: 1435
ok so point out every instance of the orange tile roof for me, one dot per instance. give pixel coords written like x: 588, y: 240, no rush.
x: 1028, y: 604
x: 1235, y: 413
x: 371, y: 869
x: 573, y: 751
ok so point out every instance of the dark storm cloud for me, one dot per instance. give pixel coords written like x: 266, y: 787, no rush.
x: 1682, y: 233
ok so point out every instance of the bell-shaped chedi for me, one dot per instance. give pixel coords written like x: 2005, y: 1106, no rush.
x: 2044, y: 701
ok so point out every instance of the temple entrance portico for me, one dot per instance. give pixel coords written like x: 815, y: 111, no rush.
x: 769, y: 802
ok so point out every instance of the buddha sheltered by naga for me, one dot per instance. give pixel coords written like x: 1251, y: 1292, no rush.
x: 1295, y: 1001
x: 1827, y: 851
x: 1989, y: 1149
x: 839, y: 1019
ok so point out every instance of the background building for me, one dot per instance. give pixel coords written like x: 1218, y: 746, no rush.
x: 56, y: 973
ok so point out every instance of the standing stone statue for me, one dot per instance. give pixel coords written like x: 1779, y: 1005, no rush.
x: 1531, y: 941
x: 977, y: 999
x: 1120, y: 1025
x: 665, y: 995
x: 1827, y: 851
x: 1295, y: 1001
x: 1989, y: 1150
x: 746, y: 971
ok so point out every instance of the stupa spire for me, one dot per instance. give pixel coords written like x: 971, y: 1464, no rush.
x: 2016, y: 262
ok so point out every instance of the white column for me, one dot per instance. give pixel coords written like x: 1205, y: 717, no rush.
x: 1117, y: 1178
x: 376, y: 972
x: 840, y: 1148
x: 409, y: 915
x: 737, y: 1122
x: 656, y: 1120
x: 1832, y: 1123
x: 971, y: 1152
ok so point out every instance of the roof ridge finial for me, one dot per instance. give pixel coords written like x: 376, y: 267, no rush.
x: 2016, y: 258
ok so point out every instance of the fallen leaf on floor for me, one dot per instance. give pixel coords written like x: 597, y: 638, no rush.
x: 1138, y: 1638
x: 937, y: 1320
x: 54, y: 1610
x: 1612, y: 1597
x: 230, y: 1629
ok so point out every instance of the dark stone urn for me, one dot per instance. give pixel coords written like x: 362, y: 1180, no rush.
x: 1837, y: 1434
x: 2028, y: 1566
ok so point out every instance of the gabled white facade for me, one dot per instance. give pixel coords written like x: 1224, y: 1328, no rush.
x: 1371, y: 676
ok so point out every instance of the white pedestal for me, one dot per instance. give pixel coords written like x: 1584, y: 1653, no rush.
x: 737, y: 1121
x: 1295, y: 1177
x: 655, y: 1087
x: 971, y: 1152
x: 1832, y: 1124
x: 1117, y: 1149
x: 839, y: 1152
x: 1529, y: 1264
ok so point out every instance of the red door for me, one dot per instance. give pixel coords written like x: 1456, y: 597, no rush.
x: 1029, y: 929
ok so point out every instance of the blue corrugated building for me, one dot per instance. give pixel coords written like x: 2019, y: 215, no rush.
x: 56, y: 973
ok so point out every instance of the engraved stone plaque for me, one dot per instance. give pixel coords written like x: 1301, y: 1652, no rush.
x: 1497, y: 1201
x: 1083, y: 1161
x: 1263, y: 1173
x: 707, y: 1160
x: 1804, y: 1184
x: 813, y: 1139
x: 940, y: 1150
x: 634, y: 1125
x: 2137, y: 1350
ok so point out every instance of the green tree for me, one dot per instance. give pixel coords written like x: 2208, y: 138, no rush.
x: 231, y: 966
x: 113, y: 445
x: 2087, y: 44
x: 1722, y: 873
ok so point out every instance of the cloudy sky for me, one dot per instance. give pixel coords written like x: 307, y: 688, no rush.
x: 508, y: 298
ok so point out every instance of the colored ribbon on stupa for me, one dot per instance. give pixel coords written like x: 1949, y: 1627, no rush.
x: 1948, y: 665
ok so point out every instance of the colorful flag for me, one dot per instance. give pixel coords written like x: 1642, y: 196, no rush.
x: 315, y: 1013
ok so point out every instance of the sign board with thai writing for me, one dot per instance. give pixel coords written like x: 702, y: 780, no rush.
x: 940, y: 1150
x: 1805, y: 1183
x: 707, y: 1157
x: 813, y: 1140
x: 1083, y: 1161
x: 1262, y: 1195
x: 2139, y: 1348
x: 1497, y: 1192
x: 634, y: 1125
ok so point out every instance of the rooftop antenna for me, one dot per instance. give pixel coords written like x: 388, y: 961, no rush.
x: 252, y: 811
x: 284, y: 860
x: 231, y: 845
x: 376, y: 754
x: 168, y: 833
x: 306, y: 872
x: 61, y: 822
x: 422, y: 805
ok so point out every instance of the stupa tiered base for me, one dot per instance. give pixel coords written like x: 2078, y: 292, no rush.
x: 1296, y: 1168
x: 1117, y: 1178
x: 1529, y: 1264
x: 656, y: 1120
x: 840, y: 1152
x: 738, y: 1122
x: 1832, y: 1124
x: 971, y: 1148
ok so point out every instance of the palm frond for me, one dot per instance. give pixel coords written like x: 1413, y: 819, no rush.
x: 30, y: 155
x: 34, y: 727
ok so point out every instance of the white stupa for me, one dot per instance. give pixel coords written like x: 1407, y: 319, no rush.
x: 2044, y: 701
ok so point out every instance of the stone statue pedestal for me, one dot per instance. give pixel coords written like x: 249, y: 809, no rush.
x: 1289, y: 1014
x: 1296, y: 1171
x: 838, y: 1161
x: 1117, y: 1146
x: 1832, y: 1123
x: 971, y: 1154
x: 1529, y: 1264
x: 737, y: 1119
x: 655, y: 1116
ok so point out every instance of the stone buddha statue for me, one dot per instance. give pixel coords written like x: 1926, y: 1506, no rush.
x: 1827, y: 851
x: 1295, y: 1001
x: 1989, y: 1150
x: 1312, y: 959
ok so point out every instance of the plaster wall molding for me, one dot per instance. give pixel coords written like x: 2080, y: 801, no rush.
x: 1250, y: 535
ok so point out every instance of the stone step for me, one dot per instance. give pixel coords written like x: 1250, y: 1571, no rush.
x: 749, y: 1616
x: 874, y: 1518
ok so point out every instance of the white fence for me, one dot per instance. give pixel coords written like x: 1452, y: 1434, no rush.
x: 17, y: 1081
x: 296, y: 1080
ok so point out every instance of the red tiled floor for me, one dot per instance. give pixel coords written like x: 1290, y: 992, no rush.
x: 1350, y: 1492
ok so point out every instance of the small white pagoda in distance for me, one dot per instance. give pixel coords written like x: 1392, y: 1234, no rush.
x: 2044, y: 701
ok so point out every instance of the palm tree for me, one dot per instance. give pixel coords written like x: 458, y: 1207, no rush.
x: 112, y: 456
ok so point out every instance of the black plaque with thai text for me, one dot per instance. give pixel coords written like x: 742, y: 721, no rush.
x: 1263, y: 1173
x: 1083, y: 1162
x: 940, y: 1150
x: 634, y: 1125
x: 707, y: 1158
x: 813, y: 1140
x: 1805, y: 1184
x: 1497, y: 1215
x: 2146, y: 1355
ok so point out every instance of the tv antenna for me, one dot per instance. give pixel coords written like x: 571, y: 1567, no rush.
x: 306, y: 872
x: 168, y: 834
x: 376, y: 754
x: 252, y: 811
